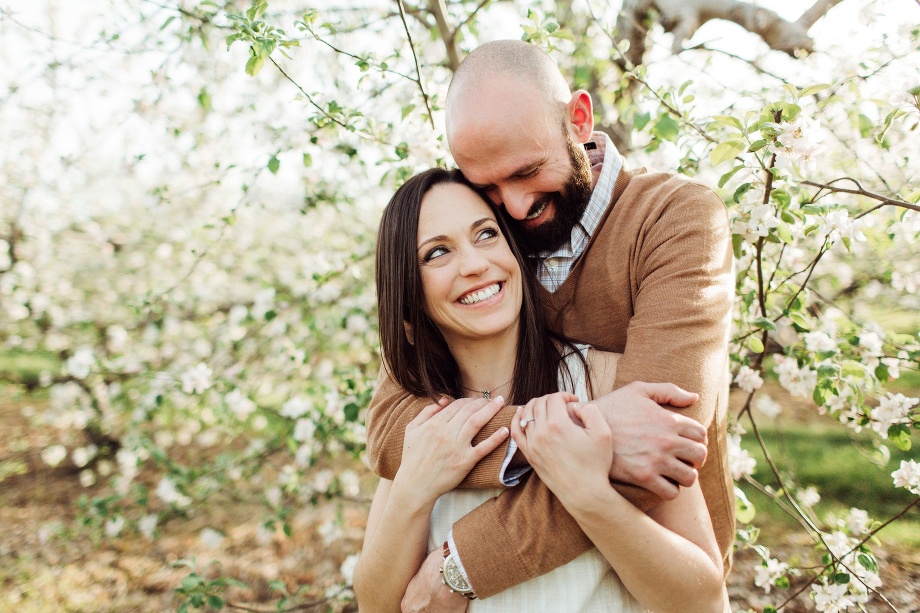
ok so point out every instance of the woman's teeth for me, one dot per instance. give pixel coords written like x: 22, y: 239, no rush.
x: 483, y: 294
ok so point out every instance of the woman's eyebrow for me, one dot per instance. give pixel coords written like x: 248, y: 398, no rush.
x: 438, y: 238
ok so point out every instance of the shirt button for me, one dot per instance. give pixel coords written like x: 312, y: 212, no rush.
x: 552, y: 263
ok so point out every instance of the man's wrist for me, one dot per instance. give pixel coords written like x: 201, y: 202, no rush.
x: 453, y: 577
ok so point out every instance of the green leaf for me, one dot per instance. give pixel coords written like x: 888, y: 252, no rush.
x: 799, y: 320
x: 726, y: 150
x: 782, y: 582
x: 190, y: 582
x: 755, y: 344
x: 307, y: 160
x: 764, y: 324
x: 728, y: 175
x: 744, y: 510
x: 254, y: 65
x: 273, y: 165
x: 899, y: 434
x: 737, y: 241
x: 402, y: 150
x: 842, y: 578
x: 351, y: 411
x: 867, y: 562
x: 784, y: 233
x: 757, y: 145
x: 407, y: 109
x: 666, y: 128
x: 865, y: 126
x: 215, y: 602
x: 742, y: 190
x: 640, y: 120
x: 814, y: 89
x: 728, y: 120
x: 781, y: 197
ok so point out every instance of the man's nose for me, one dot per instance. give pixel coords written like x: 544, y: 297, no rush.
x: 517, y: 202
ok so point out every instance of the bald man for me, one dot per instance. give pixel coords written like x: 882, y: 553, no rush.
x: 632, y: 261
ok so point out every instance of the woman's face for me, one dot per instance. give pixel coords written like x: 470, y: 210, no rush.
x: 470, y: 278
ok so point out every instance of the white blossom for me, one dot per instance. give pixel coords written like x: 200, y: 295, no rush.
x: 768, y: 572
x: 197, y: 379
x: 239, y: 404
x: 54, y: 455
x: 819, y: 341
x: 858, y: 521
x: 838, y: 225
x: 87, y: 478
x: 296, y: 407
x: 871, y: 342
x: 767, y: 406
x: 892, y: 409
x: 170, y: 494
x: 351, y: 484
x: 211, y: 538
x: 81, y: 363
x: 748, y: 379
x: 740, y: 461
x: 798, y: 143
x: 831, y: 598
x: 348, y: 567
x: 808, y: 497
x: 81, y: 456
x: 798, y: 381
x: 114, y: 525
x: 147, y: 524
x: 304, y: 430
x: 894, y: 367
x: 330, y: 532
x: 908, y: 476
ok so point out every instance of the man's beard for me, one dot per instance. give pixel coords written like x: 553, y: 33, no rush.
x: 568, y: 204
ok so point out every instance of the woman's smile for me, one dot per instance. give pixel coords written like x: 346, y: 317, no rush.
x: 480, y: 295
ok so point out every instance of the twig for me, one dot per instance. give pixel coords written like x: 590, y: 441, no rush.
x: 418, y: 70
x: 300, y: 607
x: 862, y: 192
x: 306, y: 95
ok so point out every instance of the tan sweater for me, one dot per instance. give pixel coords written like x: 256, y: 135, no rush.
x: 654, y: 284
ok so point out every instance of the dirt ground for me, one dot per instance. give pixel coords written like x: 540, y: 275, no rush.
x: 46, y: 564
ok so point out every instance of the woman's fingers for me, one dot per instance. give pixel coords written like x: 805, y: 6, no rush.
x: 487, y: 446
x: 427, y: 413
x: 471, y: 420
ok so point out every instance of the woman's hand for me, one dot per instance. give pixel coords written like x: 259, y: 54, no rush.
x: 565, y: 449
x: 438, y: 451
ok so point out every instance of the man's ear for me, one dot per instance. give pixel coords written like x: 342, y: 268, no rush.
x: 580, y: 115
x: 409, y: 336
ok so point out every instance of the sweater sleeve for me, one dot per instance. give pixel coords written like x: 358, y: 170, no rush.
x: 392, y: 408
x: 683, y: 291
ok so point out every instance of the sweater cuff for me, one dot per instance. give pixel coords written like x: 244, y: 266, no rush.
x: 510, y: 476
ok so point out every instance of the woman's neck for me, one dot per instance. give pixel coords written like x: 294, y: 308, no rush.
x: 486, y: 365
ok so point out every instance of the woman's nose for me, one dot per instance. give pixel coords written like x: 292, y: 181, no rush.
x: 473, y: 262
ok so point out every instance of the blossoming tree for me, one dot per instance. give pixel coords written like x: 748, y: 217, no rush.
x: 190, y: 192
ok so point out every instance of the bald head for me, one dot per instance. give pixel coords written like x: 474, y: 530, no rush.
x: 521, y: 69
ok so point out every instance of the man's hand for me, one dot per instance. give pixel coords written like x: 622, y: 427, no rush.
x: 426, y: 592
x: 653, y: 447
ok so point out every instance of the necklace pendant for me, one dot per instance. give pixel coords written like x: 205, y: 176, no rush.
x: 486, y: 394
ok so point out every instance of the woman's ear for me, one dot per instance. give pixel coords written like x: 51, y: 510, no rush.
x: 409, y: 336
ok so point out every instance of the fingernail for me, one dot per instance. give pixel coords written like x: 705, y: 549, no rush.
x: 518, y: 411
x: 505, y: 431
x: 499, y: 399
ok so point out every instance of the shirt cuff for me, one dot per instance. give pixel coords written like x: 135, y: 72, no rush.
x: 453, y: 550
x: 510, y: 476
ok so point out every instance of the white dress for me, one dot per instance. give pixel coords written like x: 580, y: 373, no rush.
x: 587, y: 584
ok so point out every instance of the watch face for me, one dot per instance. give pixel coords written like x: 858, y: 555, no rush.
x: 453, y: 577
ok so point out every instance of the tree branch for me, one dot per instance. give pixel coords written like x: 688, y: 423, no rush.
x: 862, y: 192
x: 418, y: 70
x: 449, y: 37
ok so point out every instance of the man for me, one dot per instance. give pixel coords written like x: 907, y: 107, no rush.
x: 634, y: 262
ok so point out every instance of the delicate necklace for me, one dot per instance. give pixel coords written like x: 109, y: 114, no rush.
x: 487, y: 393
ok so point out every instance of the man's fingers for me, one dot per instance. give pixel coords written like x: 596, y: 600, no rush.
x: 679, y: 473
x: 664, y: 489
x: 668, y: 393
x: 690, y: 428
x: 692, y: 453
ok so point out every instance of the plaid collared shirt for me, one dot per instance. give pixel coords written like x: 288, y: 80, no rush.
x: 553, y: 267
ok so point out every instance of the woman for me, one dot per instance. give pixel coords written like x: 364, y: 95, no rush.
x: 458, y: 317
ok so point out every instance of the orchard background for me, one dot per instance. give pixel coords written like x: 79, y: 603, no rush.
x: 189, y: 193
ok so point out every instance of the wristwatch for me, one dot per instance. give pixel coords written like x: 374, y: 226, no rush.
x: 453, y: 578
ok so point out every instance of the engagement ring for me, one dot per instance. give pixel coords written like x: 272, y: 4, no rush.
x: 526, y: 421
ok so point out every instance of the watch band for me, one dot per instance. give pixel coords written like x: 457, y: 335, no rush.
x: 453, y: 578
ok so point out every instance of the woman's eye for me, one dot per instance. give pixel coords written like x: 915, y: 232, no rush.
x: 434, y: 253
x: 488, y: 233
